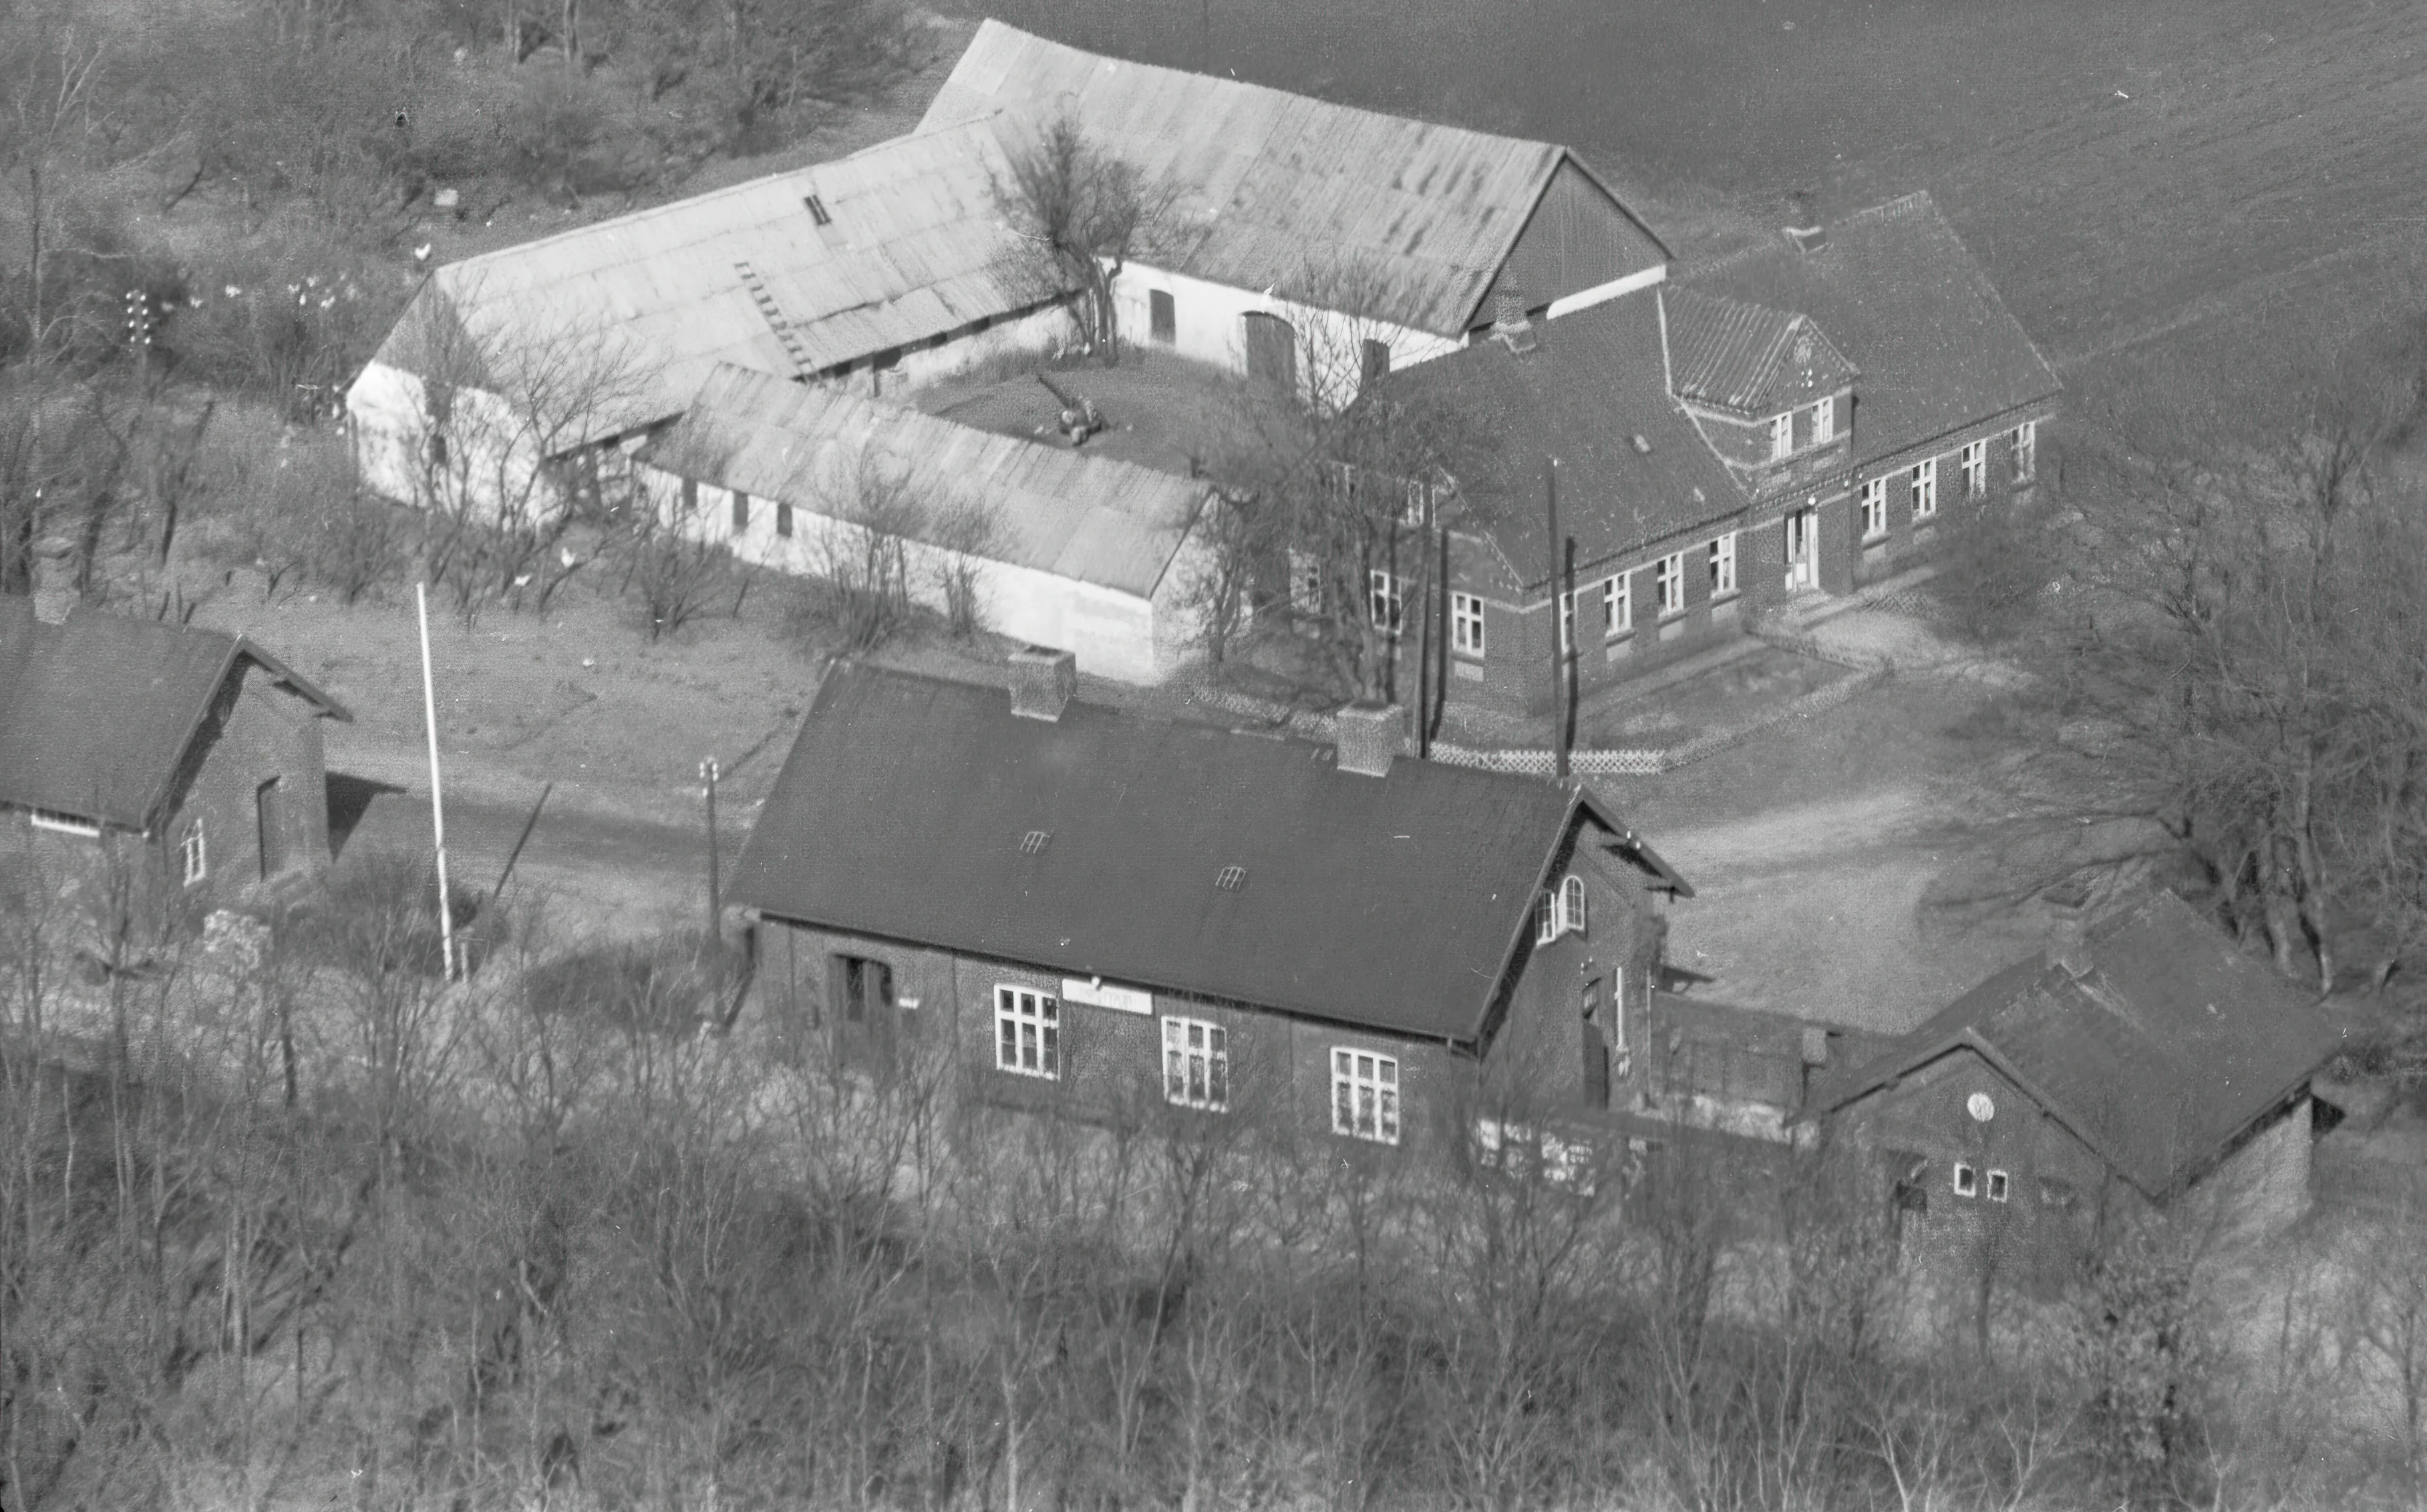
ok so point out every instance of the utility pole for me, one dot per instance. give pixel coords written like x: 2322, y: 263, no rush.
x: 1558, y: 638
x: 438, y: 804
x: 707, y: 773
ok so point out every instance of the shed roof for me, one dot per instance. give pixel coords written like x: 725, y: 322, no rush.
x: 1391, y: 903
x: 1273, y: 184
x: 2170, y: 1044
x: 912, y: 248
x: 1743, y: 357
x: 1115, y: 524
x: 1592, y: 384
x: 1901, y: 297
x: 97, y: 714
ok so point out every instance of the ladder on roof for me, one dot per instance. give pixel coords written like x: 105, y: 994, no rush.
x: 775, y: 314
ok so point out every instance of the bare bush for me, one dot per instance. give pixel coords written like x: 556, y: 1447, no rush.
x: 862, y: 590
x: 679, y: 574
x: 967, y: 532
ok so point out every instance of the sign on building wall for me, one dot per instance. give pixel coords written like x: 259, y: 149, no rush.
x: 1101, y: 994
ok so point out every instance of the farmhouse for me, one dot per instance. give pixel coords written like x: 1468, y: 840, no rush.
x: 1782, y: 424
x: 2144, y: 1063
x: 1311, y: 243
x: 202, y: 746
x: 1053, y: 545
x: 1103, y: 915
x: 878, y: 271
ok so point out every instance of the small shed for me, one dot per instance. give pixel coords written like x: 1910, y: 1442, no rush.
x: 1059, y: 548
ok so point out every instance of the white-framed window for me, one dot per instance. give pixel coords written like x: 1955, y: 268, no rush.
x: 2000, y: 1186
x: 1466, y: 624
x: 1967, y: 1180
x: 1306, y: 582
x: 2022, y: 449
x: 1976, y: 469
x: 1824, y: 421
x: 1669, y: 582
x: 47, y: 819
x: 1617, y: 606
x: 193, y: 853
x: 1724, y: 565
x: 1875, y: 508
x: 1782, y: 435
x: 1028, y: 1031
x: 1924, y: 480
x: 1617, y: 1036
x: 1559, y: 909
x: 1383, y: 600
x: 1415, y: 502
x: 1366, y: 1095
x: 1567, y: 623
x: 1196, y: 1063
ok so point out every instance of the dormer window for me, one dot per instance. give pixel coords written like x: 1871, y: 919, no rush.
x: 1782, y: 435
x: 1824, y: 422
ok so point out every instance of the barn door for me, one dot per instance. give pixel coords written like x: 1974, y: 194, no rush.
x: 269, y: 812
x: 1272, y: 350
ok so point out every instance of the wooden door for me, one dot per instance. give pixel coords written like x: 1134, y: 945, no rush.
x: 1272, y: 350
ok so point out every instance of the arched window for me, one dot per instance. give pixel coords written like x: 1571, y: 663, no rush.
x: 1559, y: 909
x: 1571, y: 903
x: 193, y: 851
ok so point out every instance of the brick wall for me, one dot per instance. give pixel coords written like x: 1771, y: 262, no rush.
x: 257, y: 733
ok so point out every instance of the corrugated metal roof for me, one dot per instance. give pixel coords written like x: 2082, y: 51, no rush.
x: 1592, y: 384
x: 2167, y: 1048
x: 1274, y: 185
x: 1736, y: 355
x: 97, y: 714
x: 1900, y: 295
x: 913, y: 247
x: 1392, y: 903
x: 1087, y: 518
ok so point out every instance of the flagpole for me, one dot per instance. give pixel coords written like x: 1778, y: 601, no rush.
x: 437, y: 805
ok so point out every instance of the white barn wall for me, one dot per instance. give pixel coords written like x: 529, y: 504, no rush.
x: 1112, y: 634
x: 495, y: 456
x: 1208, y: 324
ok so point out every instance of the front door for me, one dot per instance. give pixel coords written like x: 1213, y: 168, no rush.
x: 270, y: 816
x: 1802, y: 549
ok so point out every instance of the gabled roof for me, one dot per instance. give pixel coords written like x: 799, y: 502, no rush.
x: 97, y: 714
x: 1745, y: 357
x: 1901, y: 297
x: 1271, y: 181
x: 1111, y: 522
x: 2166, y: 1047
x: 1592, y: 384
x: 1392, y: 902
x: 912, y: 248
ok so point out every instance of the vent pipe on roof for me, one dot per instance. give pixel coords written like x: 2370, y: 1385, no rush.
x: 1370, y: 735
x: 1808, y: 238
x: 1042, y: 681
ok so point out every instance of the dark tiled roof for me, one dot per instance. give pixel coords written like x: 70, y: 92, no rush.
x: 1594, y: 381
x: 96, y: 714
x: 1901, y: 296
x: 2170, y: 1044
x: 1736, y: 356
x: 1392, y: 902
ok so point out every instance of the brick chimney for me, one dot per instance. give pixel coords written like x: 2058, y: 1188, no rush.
x: 2068, y: 906
x: 1370, y: 735
x: 1510, y: 325
x: 1042, y: 681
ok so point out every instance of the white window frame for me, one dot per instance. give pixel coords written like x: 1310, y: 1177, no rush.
x: 1616, y: 1035
x: 1669, y: 583
x: 1976, y: 469
x: 1966, y: 1180
x: 1385, y: 600
x: 1366, y: 1095
x: 59, y: 823
x: 1875, y: 508
x: 2000, y: 1186
x: 1782, y: 435
x: 1618, y: 605
x: 1196, y: 1063
x: 1924, y: 482
x: 1567, y: 624
x: 1027, y: 1032
x: 1466, y: 624
x: 1559, y: 910
x: 2022, y: 447
x: 1416, y: 502
x: 1724, y: 565
x: 193, y: 853
x: 1824, y: 421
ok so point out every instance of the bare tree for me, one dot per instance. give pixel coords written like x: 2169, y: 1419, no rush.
x: 874, y: 505
x: 1079, y: 212
x: 967, y: 534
